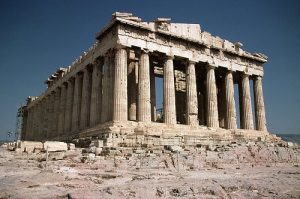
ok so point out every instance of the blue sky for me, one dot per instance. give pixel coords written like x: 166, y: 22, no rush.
x: 37, y: 37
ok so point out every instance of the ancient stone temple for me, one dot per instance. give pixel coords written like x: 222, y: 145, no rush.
x: 110, y: 91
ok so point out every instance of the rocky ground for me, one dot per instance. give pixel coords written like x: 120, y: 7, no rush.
x: 234, y: 171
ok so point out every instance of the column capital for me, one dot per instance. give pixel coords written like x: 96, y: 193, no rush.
x: 119, y: 46
x: 211, y: 66
x: 169, y: 56
x: 245, y: 74
x: 257, y: 77
x: 191, y: 62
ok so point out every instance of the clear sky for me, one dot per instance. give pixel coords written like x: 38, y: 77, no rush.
x: 37, y: 37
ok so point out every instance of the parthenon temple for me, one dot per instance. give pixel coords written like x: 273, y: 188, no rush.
x: 110, y: 91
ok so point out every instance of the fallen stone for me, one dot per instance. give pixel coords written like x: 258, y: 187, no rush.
x: 29, y: 146
x: 71, y: 146
x: 55, y: 146
x: 98, y: 143
x: 98, y: 151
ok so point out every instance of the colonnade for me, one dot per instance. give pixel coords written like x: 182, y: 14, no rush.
x: 116, y: 88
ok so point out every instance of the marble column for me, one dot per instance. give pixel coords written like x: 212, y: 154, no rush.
x: 212, y: 101
x: 230, y: 117
x: 69, y: 106
x: 169, y: 92
x: 51, y: 115
x: 29, y: 119
x: 46, y: 116
x: 132, y: 89
x: 245, y: 105
x: 153, y: 94
x: 108, y: 89
x: 96, y: 95
x: 120, y: 104
x: 56, y: 111
x: 85, y: 99
x: 144, y: 105
x: 77, y: 102
x: 191, y: 95
x: 62, y: 109
x: 260, y: 115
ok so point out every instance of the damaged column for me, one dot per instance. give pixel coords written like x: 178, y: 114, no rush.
x: 230, y: 117
x: 212, y: 102
x: 85, y: 99
x: 169, y: 92
x: 96, y: 95
x: 260, y: 115
x: 144, y: 105
x: 120, y: 104
x: 77, y: 102
x: 191, y: 95
x: 245, y: 105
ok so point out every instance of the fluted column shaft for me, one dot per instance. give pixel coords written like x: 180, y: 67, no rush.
x: 212, y: 101
x: 96, y: 95
x: 108, y: 89
x: 260, y: 115
x: 132, y: 89
x: 77, y: 102
x: 62, y: 108
x: 144, y: 105
x: 85, y: 99
x: 56, y: 112
x: 246, y: 107
x: 51, y: 115
x: 28, y: 129
x: 69, y: 107
x: 191, y: 95
x: 153, y: 94
x: 120, y: 104
x: 230, y: 117
x: 169, y: 92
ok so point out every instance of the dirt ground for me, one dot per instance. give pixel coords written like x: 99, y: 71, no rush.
x: 27, y: 176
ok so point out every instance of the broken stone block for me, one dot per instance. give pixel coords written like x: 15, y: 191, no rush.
x: 98, y: 151
x: 55, y: 146
x: 71, y: 146
x: 175, y: 148
x: 290, y: 144
x: 29, y: 146
x: 57, y: 155
x: 98, y: 143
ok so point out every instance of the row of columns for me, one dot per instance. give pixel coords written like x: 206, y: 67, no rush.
x: 99, y: 93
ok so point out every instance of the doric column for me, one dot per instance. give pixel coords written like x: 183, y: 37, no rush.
x: 153, y: 94
x: 169, y: 92
x: 132, y: 89
x: 144, y: 105
x: 46, y: 116
x: 33, y: 122
x: 29, y: 119
x: 62, y: 109
x: 120, y: 106
x: 191, y: 95
x: 38, y: 120
x: 69, y: 106
x: 230, y: 117
x: 260, y: 115
x: 96, y: 95
x: 56, y: 111
x: 212, y: 101
x: 51, y: 115
x: 246, y: 107
x: 85, y: 99
x: 77, y: 102
x: 108, y: 89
